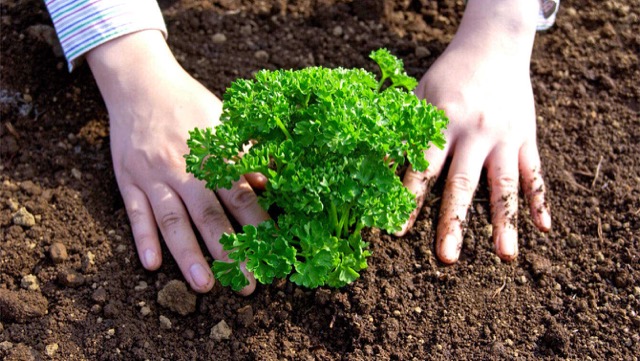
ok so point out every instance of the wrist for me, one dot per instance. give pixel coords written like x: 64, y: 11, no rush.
x: 507, y: 25
x: 125, y: 67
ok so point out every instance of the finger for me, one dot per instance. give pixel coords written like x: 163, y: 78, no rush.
x: 533, y: 186
x: 175, y: 225
x: 420, y: 183
x: 461, y: 183
x: 211, y: 221
x: 207, y: 214
x: 242, y: 203
x: 502, y: 174
x: 256, y: 180
x: 143, y: 227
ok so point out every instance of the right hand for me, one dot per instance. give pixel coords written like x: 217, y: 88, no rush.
x: 152, y: 104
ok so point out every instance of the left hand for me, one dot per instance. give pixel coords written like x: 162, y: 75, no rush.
x: 482, y: 82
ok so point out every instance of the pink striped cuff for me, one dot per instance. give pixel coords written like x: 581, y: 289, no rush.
x: 84, y: 24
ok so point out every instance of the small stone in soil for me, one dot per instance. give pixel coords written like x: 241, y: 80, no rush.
x: 423, y: 52
x: 13, y: 204
x: 220, y: 331
x: 23, y: 218
x: 70, y: 278
x: 145, y: 311
x: 337, y: 31
x: 19, y: 306
x: 574, y: 240
x: 30, y: 282
x: 261, y: 55
x: 142, y: 285
x: 111, y: 310
x: 245, y: 315
x: 165, y: 323
x: 99, y: 295
x: 540, y: 265
x: 51, y: 349
x: 5, y: 345
x: 488, y: 231
x: 218, y: 38
x: 176, y: 297
x: 58, y: 252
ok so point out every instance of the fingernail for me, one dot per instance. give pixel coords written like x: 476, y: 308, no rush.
x: 450, y: 249
x: 508, y: 244
x: 545, y: 220
x: 199, y: 275
x: 149, y: 258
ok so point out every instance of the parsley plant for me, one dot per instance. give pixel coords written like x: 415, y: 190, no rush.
x: 329, y: 141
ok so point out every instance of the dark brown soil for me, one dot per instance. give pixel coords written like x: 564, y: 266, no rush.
x: 571, y: 294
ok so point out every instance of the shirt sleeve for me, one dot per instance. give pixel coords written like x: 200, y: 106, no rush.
x: 547, y: 15
x: 82, y: 25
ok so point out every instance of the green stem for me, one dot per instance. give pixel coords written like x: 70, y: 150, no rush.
x: 283, y: 128
x: 344, y: 220
x: 381, y: 83
x: 359, y: 227
x: 333, y: 213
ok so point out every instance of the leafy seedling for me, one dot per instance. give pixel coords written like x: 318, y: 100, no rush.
x: 329, y: 142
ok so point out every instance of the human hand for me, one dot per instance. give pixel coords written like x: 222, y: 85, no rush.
x: 152, y: 104
x: 482, y: 82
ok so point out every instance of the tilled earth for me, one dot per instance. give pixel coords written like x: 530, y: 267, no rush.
x: 72, y: 288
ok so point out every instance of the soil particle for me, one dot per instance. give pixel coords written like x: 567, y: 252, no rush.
x: 245, y: 316
x: 574, y: 240
x: 176, y: 297
x: 622, y: 279
x: 47, y: 34
x: 8, y: 145
x: 221, y: 331
x: 30, y: 282
x: 556, y: 338
x: 88, y: 262
x: 218, y: 38
x: 165, y: 322
x: 58, y: 252
x: 71, y: 278
x: 391, y: 327
x: 51, y: 349
x: 539, y: 264
x: 337, y: 31
x: 141, y: 286
x: 145, y: 311
x: 23, y: 218
x: 112, y: 309
x: 99, y: 295
x: 423, y: 52
x: 31, y: 188
x: 20, y: 306
x: 21, y: 352
x: 13, y: 205
x: 5, y: 345
x: 261, y: 55
x: 323, y: 295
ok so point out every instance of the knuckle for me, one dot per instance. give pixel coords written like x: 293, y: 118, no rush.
x: 210, y: 214
x: 505, y: 181
x: 136, y: 216
x: 461, y: 183
x: 171, y: 220
x: 242, y: 198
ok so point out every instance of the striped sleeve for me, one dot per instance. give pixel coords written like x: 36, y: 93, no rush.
x: 547, y: 15
x: 84, y: 24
